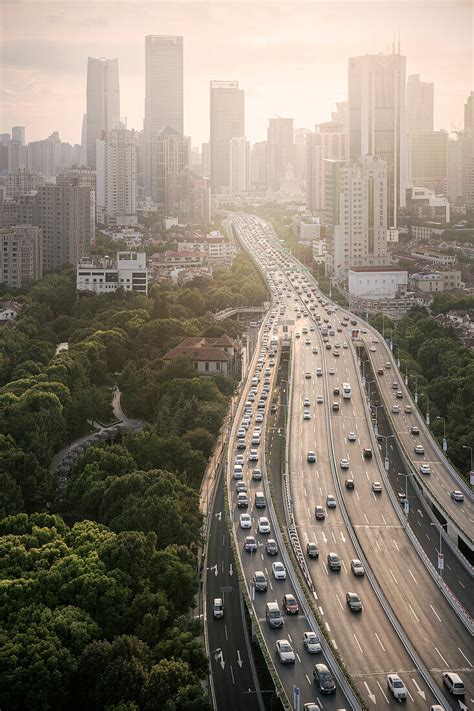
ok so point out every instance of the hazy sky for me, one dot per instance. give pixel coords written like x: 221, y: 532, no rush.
x: 290, y: 57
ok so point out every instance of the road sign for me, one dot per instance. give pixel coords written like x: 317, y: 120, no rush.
x: 440, y: 561
x: 445, y: 444
x: 376, y: 429
x: 406, y: 507
x: 387, y: 464
x: 296, y: 697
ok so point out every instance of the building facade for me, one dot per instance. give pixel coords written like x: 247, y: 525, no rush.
x: 360, y: 238
x: 103, y: 101
x: 436, y: 282
x: 377, y: 119
x: 327, y: 142
x: 22, y: 181
x: 239, y: 165
x: 21, y: 259
x: 117, y: 178
x: 378, y: 282
x: 103, y: 275
x: 227, y: 120
x: 420, y: 104
x: 167, y: 159
x: 428, y: 159
x: 280, y: 150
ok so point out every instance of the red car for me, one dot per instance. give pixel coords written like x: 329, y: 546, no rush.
x: 319, y: 512
x: 380, y: 371
x: 290, y: 605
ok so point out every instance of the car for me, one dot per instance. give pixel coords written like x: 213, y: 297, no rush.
x: 312, y: 549
x: 298, y: 335
x: 324, y: 679
x: 367, y: 452
x: 263, y: 525
x: 419, y: 449
x: 396, y: 686
x: 335, y: 406
x: 239, y: 459
x: 253, y: 456
x: 395, y: 408
x: 311, y: 456
x: 336, y: 391
x: 238, y: 472
x: 320, y: 399
x: 279, y: 570
x: 399, y: 395
x: 257, y: 474
x: 352, y: 437
x: 306, y: 415
x: 344, y: 463
x: 259, y: 581
x: 334, y: 562
x: 331, y: 501
x: 425, y: 469
x: 245, y: 520
x: 241, y: 444
x: 240, y: 486
x: 380, y: 371
x: 349, y: 482
x: 307, y: 342
x: 357, y: 567
x: 457, y: 496
x: 307, y: 375
x: 319, y: 372
x: 285, y: 651
x: 218, y: 608
x: 332, y: 371
x: 387, y: 365
x: 363, y: 330
x: 306, y: 402
x: 373, y: 349
x: 394, y: 385
x: 241, y: 433
x: 315, y: 351
x: 354, y: 602
x: 415, y: 430
x: 376, y: 487
x: 345, y: 345
x: 242, y: 500
x: 454, y: 683
x: 319, y: 512
x: 271, y: 546
x: 328, y: 346
x: 311, y: 642
x: 290, y: 604
x: 407, y: 409
x: 250, y: 544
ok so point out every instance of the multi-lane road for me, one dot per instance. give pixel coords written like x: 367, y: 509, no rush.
x: 406, y: 625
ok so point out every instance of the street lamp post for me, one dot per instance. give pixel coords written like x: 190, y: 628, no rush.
x: 415, y: 378
x: 386, y: 463
x: 398, y: 354
x: 376, y: 426
x: 406, y: 503
x: 427, y: 418
x: 445, y: 441
x: 440, y: 552
x: 466, y: 446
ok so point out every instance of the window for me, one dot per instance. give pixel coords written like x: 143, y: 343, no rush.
x: 206, y: 367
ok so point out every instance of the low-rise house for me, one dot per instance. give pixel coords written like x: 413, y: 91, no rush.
x: 210, y: 356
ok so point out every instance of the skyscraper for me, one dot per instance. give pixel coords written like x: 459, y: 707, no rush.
x: 428, y: 159
x: 20, y: 255
x: 227, y: 121
x: 377, y: 119
x: 281, y: 149
x: 420, y: 104
x: 103, y: 101
x: 360, y: 238
x: 239, y: 165
x: 467, y: 151
x: 117, y: 178
x: 168, y: 149
x: 18, y: 135
x: 163, y: 91
x: 327, y: 142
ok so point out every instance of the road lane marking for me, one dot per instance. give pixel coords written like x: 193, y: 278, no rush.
x: 358, y: 644
x: 321, y: 611
x: 441, y: 656
x: 412, y: 576
x: 378, y: 640
x: 391, y: 573
x: 395, y: 544
x: 467, y: 660
x: 413, y: 613
x: 340, y: 603
x: 232, y: 674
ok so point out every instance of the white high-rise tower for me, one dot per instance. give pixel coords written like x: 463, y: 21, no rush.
x: 103, y: 101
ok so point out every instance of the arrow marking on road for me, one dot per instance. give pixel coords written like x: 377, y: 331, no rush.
x: 371, y: 695
x: 219, y: 657
x: 419, y: 691
x: 342, y: 537
x: 231, y: 572
x: 239, y: 660
x: 219, y: 515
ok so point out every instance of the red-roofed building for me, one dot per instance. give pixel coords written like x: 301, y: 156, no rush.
x: 210, y: 356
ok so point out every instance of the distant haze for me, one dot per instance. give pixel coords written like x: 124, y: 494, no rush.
x: 290, y: 58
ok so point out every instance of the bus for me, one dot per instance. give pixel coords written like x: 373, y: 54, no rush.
x: 346, y: 391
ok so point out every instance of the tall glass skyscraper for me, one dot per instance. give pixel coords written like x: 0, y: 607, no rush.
x: 227, y: 121
x: 103, y: 101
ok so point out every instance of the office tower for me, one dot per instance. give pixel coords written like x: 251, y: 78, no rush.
x: 22, y: 181
x: 206, y: 160
x: 167, y: 159
x: 83, y: 160
x: 300, y: 153
x: 227, y: 121
x: 360, y: 238
x: 327, y: 141
x: 189, y: 198
x: 332, y: 189
x: 259, y: 165
x: 454, y: 191
x: 18, y: 135
x: 65, y: 213
x: 20, y: 255
x: 16, y: 156
x: 43, y: 155
x: 117, y: 178
x: 467, y: 150
x: 281, y: 150
x: 420, y: 104
x: 377, y: 119
x: 5, y: 139
x: 103, y: 101
x: 428, y: 159
x: 239, y: 165
x: 163, y: 91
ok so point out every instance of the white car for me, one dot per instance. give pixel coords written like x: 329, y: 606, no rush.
x: 457, y: 496
x: 425, y: 469
x: 373, y: 349
x: 306, y: 415
x: 332, y: 371
x: 319, y: 399
x: 239, y: 459
x: 419, y: 449
x: 395, y: 408
x: 352, y: 437
x: 307, y: 375
x: 306, y: 402
x: 253, y: 456
x: 279, y: 570
x: 259, y: 417
x: 311, y: 642
x: 245, y: 520
x: 331, y: 501
x: 285, y: 651
x: 344, y: 463
x: 345, y: 345
x: 396, y: 686
x: 376, y: 487
x: 263, y: 525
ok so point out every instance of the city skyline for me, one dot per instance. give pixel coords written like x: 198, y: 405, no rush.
x: 287, y: 62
